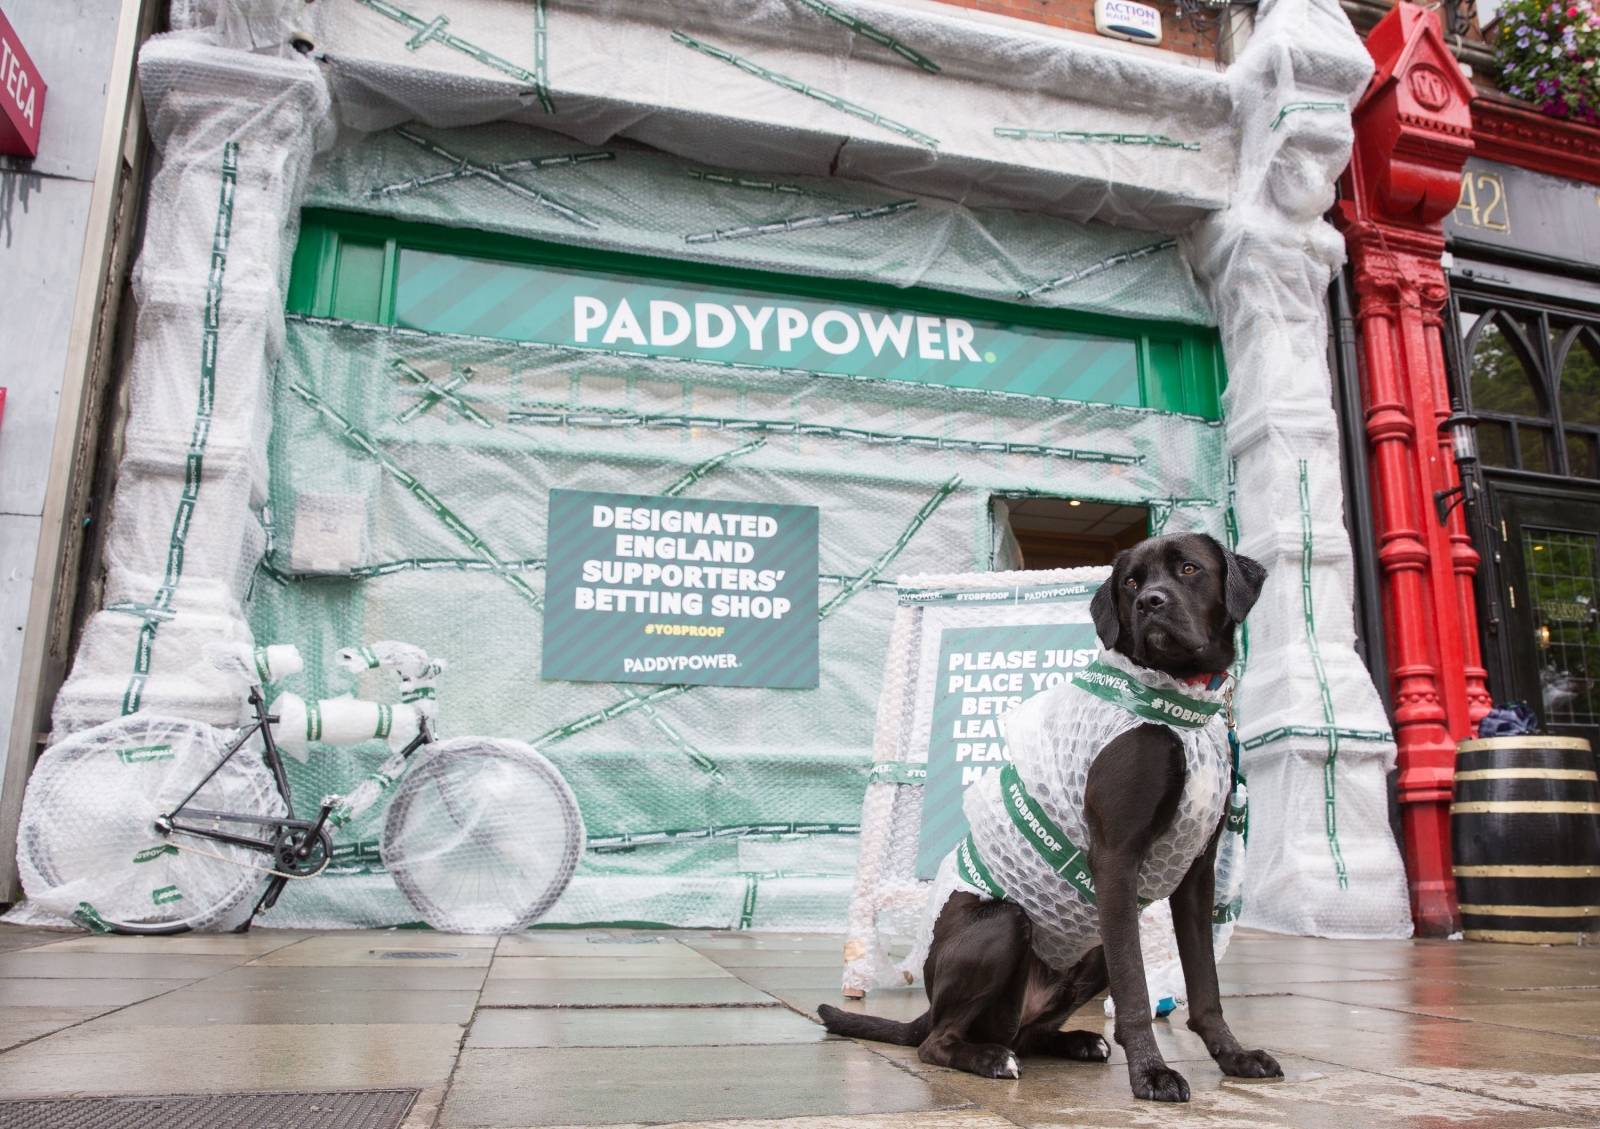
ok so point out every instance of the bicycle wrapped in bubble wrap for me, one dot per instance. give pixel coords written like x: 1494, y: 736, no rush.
x: 156, y: 824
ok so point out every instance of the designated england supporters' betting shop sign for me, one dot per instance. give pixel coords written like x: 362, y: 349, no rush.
x: 680, y: 590
x: 21, y: 96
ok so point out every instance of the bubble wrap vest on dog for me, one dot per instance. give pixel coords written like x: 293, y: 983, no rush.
x: 1053, y: 739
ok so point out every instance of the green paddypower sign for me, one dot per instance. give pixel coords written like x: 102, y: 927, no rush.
x: 679, y: 590
x: 641, y: 317
x: 984, y: 674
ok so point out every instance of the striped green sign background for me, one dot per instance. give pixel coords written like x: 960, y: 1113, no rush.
x: 959, y: 690
x: 637, y: 639
x: 530, y: 302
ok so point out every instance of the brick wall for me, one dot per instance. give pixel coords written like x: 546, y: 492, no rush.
x: 1078, y: 15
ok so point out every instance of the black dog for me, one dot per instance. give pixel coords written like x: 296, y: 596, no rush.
x: 1171, y: 604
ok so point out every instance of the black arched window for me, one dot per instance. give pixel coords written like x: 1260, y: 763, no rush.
x: 1533, y: 377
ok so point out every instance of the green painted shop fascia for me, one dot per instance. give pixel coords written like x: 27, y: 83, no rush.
x: 346, y: 265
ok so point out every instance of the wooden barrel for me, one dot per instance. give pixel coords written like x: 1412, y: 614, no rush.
x: 1525, y: 835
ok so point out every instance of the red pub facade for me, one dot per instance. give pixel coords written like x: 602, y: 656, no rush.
x: 1473, y: 286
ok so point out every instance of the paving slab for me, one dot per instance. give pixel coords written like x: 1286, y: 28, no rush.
x: 47, y: 962
x: 828, y: 943
x: 1311, y: 1096
x: 640, y: 1027
x: 20, y: 1025
x: 592, y: 945
x: 89, y: 991
x: 701, y: 991
x: 13, y: 937
x: 227, y: 1058
x: 826, y: 979
x: 919, y: 1119
x: 681, y: 965
x: 244, y: 945
x: 1569, y: 1093
x: 366, y: 950
x: 608, y: 1086
x: 385, y: 976
x: 900, y: 1004
x: 831, y: 958
x: 191, y: 1008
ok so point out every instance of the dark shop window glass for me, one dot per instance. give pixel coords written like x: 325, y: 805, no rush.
x: 1581, y: 454
x: 1537, y: 445
x: 1580, y: 382
x: 1500, y: 381
x: 1494, y: 447
x: 1561, y: 578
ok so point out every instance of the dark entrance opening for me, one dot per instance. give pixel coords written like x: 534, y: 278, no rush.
x: 1065, y: 532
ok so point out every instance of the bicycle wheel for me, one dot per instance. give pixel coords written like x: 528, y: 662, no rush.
x: 87, y: 846
x: 482, y: 835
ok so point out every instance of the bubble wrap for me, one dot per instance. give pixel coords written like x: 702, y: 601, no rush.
x: 235, y: 132
x: 995, y: 212
x: 1054, y: 738
x: 87, y: 844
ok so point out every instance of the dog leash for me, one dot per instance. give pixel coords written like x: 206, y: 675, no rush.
x: 1238, y: 819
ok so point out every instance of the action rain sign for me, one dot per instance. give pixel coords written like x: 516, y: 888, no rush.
x: 680, y: 590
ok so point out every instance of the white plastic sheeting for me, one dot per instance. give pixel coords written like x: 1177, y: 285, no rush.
x: 649, y: 202
x: 717, y: 806
x: 1316, y: 740
x: 235, y: 133
x: 622, y: 69
x: 1237, y: 166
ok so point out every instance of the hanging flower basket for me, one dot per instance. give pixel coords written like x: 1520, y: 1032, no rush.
x: 1549, y: 54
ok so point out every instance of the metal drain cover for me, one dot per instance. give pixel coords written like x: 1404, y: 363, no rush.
x: 359, y: 1109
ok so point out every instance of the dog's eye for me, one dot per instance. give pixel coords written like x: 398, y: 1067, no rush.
x: 1131, y: 582
x: 1189, y: 570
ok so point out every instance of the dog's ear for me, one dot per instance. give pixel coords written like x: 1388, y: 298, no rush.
x: 1103, y: 608
x: 1243, y: 584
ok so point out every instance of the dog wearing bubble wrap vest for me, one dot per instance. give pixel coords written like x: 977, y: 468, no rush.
x: 1114, y: 797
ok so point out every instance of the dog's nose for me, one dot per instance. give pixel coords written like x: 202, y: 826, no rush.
x: 1150, y: 599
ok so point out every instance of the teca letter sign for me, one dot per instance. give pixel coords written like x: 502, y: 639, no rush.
x: 1124, y: 19
x: 21, y: 96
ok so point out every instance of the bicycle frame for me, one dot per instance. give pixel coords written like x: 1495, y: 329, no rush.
x: 287, y: 849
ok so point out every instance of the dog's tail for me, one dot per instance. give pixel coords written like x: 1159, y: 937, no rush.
x: 857, y: 1026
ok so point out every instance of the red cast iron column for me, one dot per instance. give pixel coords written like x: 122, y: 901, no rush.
x: 1413, y: 133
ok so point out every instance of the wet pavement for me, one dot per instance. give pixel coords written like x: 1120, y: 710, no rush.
x: 613, y: 1027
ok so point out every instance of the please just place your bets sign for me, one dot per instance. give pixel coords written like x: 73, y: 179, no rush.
x: 984, y: 673
x: 680, y: 590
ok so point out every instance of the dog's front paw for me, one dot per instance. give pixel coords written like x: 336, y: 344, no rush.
x: 1000, y: 1062
x: 1249, y: 1064
x: 1085, y: 1046
x: 1158, y: 1084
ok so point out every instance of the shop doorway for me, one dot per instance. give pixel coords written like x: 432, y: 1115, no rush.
x: 1531, y: 373
x: 1041, y: 533
x: 1550, y: 576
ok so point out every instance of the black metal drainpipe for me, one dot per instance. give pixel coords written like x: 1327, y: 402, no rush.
x: 1358, y: 513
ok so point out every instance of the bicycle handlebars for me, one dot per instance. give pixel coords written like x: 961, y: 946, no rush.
x: 411, y: 663
x: 254, y: 666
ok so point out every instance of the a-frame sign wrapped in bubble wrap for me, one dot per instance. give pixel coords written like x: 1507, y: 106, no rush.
x: 984, y: 643
x: 965, y: 650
